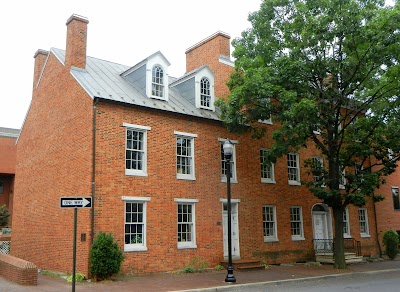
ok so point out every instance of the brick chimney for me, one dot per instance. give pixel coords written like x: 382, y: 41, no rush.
x: 208, y: 52
x: 40, y: 59
x: 75, y: 54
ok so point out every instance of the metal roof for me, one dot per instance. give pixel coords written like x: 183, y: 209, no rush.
x: 102, y: 79
x: 8, y: 132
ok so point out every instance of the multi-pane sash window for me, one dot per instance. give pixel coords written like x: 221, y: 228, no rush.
x: 135, y: 223
x: 232, y: 163
x: 342, y: 178
x: 186, y: 223
x: 346, y: 225
x: 267, y: 168
x: 293, y: 168
x: 296, y: 223
x: 205, y: 93
x: 269, y: 223
x: 363, y: 220
x: 318, y: 170
x: 395, y: 195
x: 157, y: 84
x: 185, y: 155
x: 136, y: 150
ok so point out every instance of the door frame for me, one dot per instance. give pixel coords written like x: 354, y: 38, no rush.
x: 325, y: 210
x: 235, y: 229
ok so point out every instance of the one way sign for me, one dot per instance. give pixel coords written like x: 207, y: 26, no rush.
x: 68, y: 202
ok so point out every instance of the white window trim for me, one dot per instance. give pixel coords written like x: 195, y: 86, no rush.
x: 393, y: 188
x: 192, y: 244
x: 272, y: 238
x: 143, y: 129
x: 192, y: 175
x: 142, y: 200
x: 295, y: 182
x: 364, y: 235
x: 157, y: 60
x: 269, y: 180
x: 299, y: 237
x: 205, y: 73
x: 234, y: 176
x: 348, y: 234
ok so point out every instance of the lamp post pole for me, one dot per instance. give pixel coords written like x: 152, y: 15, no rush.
x: 228, y: 151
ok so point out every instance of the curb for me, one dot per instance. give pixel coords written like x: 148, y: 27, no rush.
x: 238, y: 287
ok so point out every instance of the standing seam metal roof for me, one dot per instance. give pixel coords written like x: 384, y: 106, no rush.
x: 102, y: 79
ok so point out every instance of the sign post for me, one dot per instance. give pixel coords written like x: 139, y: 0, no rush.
x: 68, y: 202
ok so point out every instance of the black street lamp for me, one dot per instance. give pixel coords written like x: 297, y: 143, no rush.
x: 228, y: 152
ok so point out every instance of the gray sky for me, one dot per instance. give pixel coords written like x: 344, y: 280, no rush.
x: 122, y: 31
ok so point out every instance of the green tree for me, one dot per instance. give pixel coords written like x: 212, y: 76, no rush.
x: 105, y: 257
x: 328, y: 72
x: 4, y: 216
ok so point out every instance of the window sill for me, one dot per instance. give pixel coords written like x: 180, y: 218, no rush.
x: 135, y: 248
x: 365, y: 235
x: 131, y: 172
x: 297, y: 238
x: 271, y: 240
x: 207, y: 108
x: 346, y: 236
x: 294, y: 183
x: 268, y: 181
x: 186, y: 246
x: 185, y: 177
x: 234, y: 181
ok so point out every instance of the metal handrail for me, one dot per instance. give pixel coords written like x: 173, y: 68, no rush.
x: 327, y: 245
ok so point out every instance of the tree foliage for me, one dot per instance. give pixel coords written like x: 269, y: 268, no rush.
x: 328, y: 72
x: 4, y: 216
x: 391, y: 242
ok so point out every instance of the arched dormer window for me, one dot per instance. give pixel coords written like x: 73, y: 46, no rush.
x: 205, y: 93
x: 157, y: 82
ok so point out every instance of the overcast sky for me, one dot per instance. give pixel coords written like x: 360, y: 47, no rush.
x: 121, y: 31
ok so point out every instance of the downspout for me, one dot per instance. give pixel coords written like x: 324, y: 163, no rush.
x: 93, y: 169
x: 376, y: 228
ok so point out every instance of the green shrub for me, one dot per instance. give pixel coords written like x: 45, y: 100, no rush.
x: 219, y: 268
x: 4, y: 216
x: 105, y: 257
x: 189, y: 269
x: 391, y: 242
x: 79, y: 277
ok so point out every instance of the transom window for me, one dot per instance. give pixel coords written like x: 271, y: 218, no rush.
x: 346, y: 224
x: 157, y: 88
x: 269, y: 223
x: 186, y: 223
x: 136, y: 150
x: 205, y: 93
x: 293, y: 169
x: 135, y: 223
x: 296, y: 223
x: 395, y: 195
x: 267, y: 168
x: 363, y: 220
x: 232, y: 164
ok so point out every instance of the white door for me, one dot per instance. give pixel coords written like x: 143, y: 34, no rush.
x: 235, y: 230
x: 320, y: 231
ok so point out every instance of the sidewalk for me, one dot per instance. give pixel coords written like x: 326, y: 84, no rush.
x: 207, y: 281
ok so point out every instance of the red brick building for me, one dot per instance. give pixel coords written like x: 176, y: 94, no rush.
x: 8, y: 153
x: 147, y: 147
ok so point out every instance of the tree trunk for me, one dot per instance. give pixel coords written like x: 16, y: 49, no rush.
x: 340, y: 262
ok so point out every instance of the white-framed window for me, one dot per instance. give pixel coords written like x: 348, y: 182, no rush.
x: 318, y: 167
x: 293, y: 169
x: 136, y: 149
x: 342, y: 177
x: 135, y: 223
x: 269, y: 223
x: 186, y: 223
x: 157, y: 81
x: 346, y: 223
x: 185, y: 155
x: 296, y: 223
x: 363, y: 220
x: 232, y: 161
x: 205, y: 93
x: 267, y: 168
x: 395, y: 195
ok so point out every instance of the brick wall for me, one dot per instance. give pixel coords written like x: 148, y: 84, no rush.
x: 54, y: 160
x: 18, y: 270
x: 8, y: 152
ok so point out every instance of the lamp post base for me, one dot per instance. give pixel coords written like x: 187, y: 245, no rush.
x: 230, y: 278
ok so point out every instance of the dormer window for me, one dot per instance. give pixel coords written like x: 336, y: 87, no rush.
x: 157, y: 82
x: 205, y: 93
